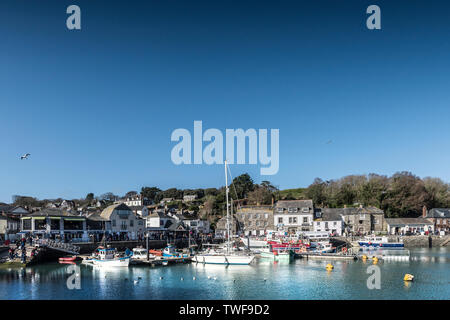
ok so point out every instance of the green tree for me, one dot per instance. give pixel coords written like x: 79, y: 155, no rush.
x: 151, y: 193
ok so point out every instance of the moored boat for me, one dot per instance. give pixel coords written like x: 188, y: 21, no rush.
x: 375, y: 242
x: 107, y: 257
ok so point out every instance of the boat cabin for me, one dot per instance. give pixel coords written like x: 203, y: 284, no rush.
x: 106, y: 253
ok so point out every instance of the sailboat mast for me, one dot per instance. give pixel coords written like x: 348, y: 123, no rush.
x: 228, y: 215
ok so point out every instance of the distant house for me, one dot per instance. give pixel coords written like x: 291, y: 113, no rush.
x: 166, y: 200
x: 189, y: 197
x: 137, y: 200
x: 440, y: 217
x: 330, y: 221
x: 124, y: 221
x: 10, y: 221
x: 141, y: 211
x: 256, y: 220
x: 68, y: 204
x: 399, y: 226
x: 293, y: 215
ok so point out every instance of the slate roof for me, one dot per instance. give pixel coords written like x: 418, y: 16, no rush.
x: 294, y: 204
x: 52, y: 212
x: 351, y: 211
x: 439, y: 213
x: 331, y: 215
x: 403, y: 221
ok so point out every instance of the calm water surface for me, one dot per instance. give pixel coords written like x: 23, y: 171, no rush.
x: 302, y: 279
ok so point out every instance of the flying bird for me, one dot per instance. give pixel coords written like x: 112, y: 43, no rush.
x: 25, y: 156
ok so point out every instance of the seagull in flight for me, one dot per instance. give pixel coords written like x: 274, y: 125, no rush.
x: 25, y: 156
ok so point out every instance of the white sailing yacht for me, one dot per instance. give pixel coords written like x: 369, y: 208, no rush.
x: 224, y: 256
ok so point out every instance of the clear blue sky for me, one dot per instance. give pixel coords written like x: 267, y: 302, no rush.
x: 96, y: 107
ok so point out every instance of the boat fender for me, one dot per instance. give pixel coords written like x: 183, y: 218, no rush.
x: 408, y: 277
x: 329, y: 267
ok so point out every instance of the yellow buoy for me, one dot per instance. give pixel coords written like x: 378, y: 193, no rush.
x: 408, y: 277
x: 375, y: 259
x: 329, y: 267
x: 364, y: 257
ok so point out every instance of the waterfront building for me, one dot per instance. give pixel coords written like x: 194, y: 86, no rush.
x: 397, y: 226
x: 198, y: 226
x: 236, y: 226
x: 159, y: 220
x: 362, y: 220
x: 440, y: 218
x: 292, y: 216
x: 10, y: 221
x: 55, y: 223
x: 329, y: 221
x: 97, y: 226
x: 256, y: 220
x: 124, y: 222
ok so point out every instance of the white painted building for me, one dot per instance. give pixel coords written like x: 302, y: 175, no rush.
x: 124, y: 221
x: 158, y: 220
x: 413, y: 225
x: 198, y: 225
x: 293, y: 215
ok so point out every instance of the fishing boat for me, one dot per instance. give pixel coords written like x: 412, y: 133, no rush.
x: 170, y: 252
x: 107, y: 257
x: 225, y: 256
x: 140, y: 254
x: 375, y: 242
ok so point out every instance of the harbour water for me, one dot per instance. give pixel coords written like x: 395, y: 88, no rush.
x: 301, y: 279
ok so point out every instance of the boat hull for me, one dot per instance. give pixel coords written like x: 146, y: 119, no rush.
x: 284, y: 256
x: 223, y: 259
x: 122, y: 262
x: 382, y: 245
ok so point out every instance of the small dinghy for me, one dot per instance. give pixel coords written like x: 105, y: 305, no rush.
x: 67, y: 259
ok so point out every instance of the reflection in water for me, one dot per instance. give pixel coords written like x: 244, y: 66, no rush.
x: 302, y: 279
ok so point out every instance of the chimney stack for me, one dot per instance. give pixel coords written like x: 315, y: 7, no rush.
x: 424, y: 211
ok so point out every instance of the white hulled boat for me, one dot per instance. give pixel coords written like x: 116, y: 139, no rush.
x: 107, y: 257
x: 224, y: 256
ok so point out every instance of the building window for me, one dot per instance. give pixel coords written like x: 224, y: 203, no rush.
x: 280, y: 220
x: 280, y: 210
x: 294, y: 219
x: 305, y: 219
x: 113, y: 222
x: 292, y: 210
x: 266, y: 216
x: 131, y: 223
